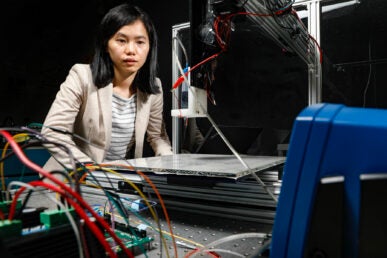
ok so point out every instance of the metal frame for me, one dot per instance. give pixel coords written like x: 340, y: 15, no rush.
x: 314, y: 68
x: 311, y: 57
x: 176, y: 121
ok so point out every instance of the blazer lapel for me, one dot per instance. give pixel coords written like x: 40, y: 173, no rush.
x: 142, y: 117
x: 105, y: 96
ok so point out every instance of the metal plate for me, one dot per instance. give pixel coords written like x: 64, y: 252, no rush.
x: 211, y: 165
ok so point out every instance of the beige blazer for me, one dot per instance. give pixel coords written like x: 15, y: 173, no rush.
x: 83, y: 109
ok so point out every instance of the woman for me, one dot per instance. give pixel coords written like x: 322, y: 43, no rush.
x: 113, y: 101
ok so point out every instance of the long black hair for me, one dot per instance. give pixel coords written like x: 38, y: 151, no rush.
x: 101, y: 64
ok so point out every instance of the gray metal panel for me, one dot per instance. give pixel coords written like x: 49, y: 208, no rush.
x: 211, y: 165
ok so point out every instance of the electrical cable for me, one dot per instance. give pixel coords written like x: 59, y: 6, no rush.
x: 218, y: 250
x: 155, y: 189
x: 11, y: 153
x: 180, y: 80
x: 115, y: 199
x: 163, y: 208
x: 226, y: 19
x: 95, y: 230
x: 155, y: 217
x: 67, y: 213
x: 97, y: 186
x: 42, y: 140
x: 62, y: 173
x: 129, y: 182
x: 109, y: 196
x: 157, y: 194
x: 27, y: 197
x: 63, y: 147
x: 138, y: 190
x: 68, y: 191
x: 158, y: 229
x: 76, y: 174
x: 310, y: 36
x: 57, y: 144
x: 159, y: 197
x: 22, y: 137
x: 183, y: 244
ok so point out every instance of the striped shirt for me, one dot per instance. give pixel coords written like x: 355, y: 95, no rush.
x: 123, y: 121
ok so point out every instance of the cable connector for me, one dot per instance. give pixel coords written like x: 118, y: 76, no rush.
x: 4, y: 206
x: 54, y: 218
x: 10, y: 228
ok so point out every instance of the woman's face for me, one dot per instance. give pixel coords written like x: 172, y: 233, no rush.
x: 128, y: 48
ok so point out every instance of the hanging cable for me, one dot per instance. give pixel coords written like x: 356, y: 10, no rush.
x: 67, y: 190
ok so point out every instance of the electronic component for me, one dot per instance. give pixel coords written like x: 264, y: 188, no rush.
x: 56, y: 242
x: 10, y: 228
x: 56, y: 238
x: 54, y: 218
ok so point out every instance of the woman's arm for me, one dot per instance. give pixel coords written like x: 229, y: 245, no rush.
x: 156, y: 133
x: 62, y: 116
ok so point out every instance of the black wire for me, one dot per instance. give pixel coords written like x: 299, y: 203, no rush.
x: 42, y: 141
x: 62, y: 173
x: 120, y: 206
x: 11, y: 153
x: 72, y: 158
x: 24, y: 203
x: 74, y: 161
x: 91, y: 174
x: 26, y: 199
x: 96, y: 164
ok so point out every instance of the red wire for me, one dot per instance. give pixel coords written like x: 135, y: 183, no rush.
x: 96, y: 231
x: 213, y: 254
x: 15, y: 146
x: 222, y: 45
x: 225, y: 19
x: 160, y: 199
x: 181, y: 78
x: 318, y: 47
x: 163, y: 206
x: 310, y: 36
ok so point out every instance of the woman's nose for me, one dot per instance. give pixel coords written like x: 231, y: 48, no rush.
x: 130, y: 48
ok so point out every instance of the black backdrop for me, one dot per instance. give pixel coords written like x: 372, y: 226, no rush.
x: 41, y: 40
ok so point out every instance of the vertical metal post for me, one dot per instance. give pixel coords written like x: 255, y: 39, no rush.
x: 315, y: 68
x: 176, y: 95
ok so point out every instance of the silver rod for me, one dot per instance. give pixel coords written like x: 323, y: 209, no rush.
x: 240, y: 159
